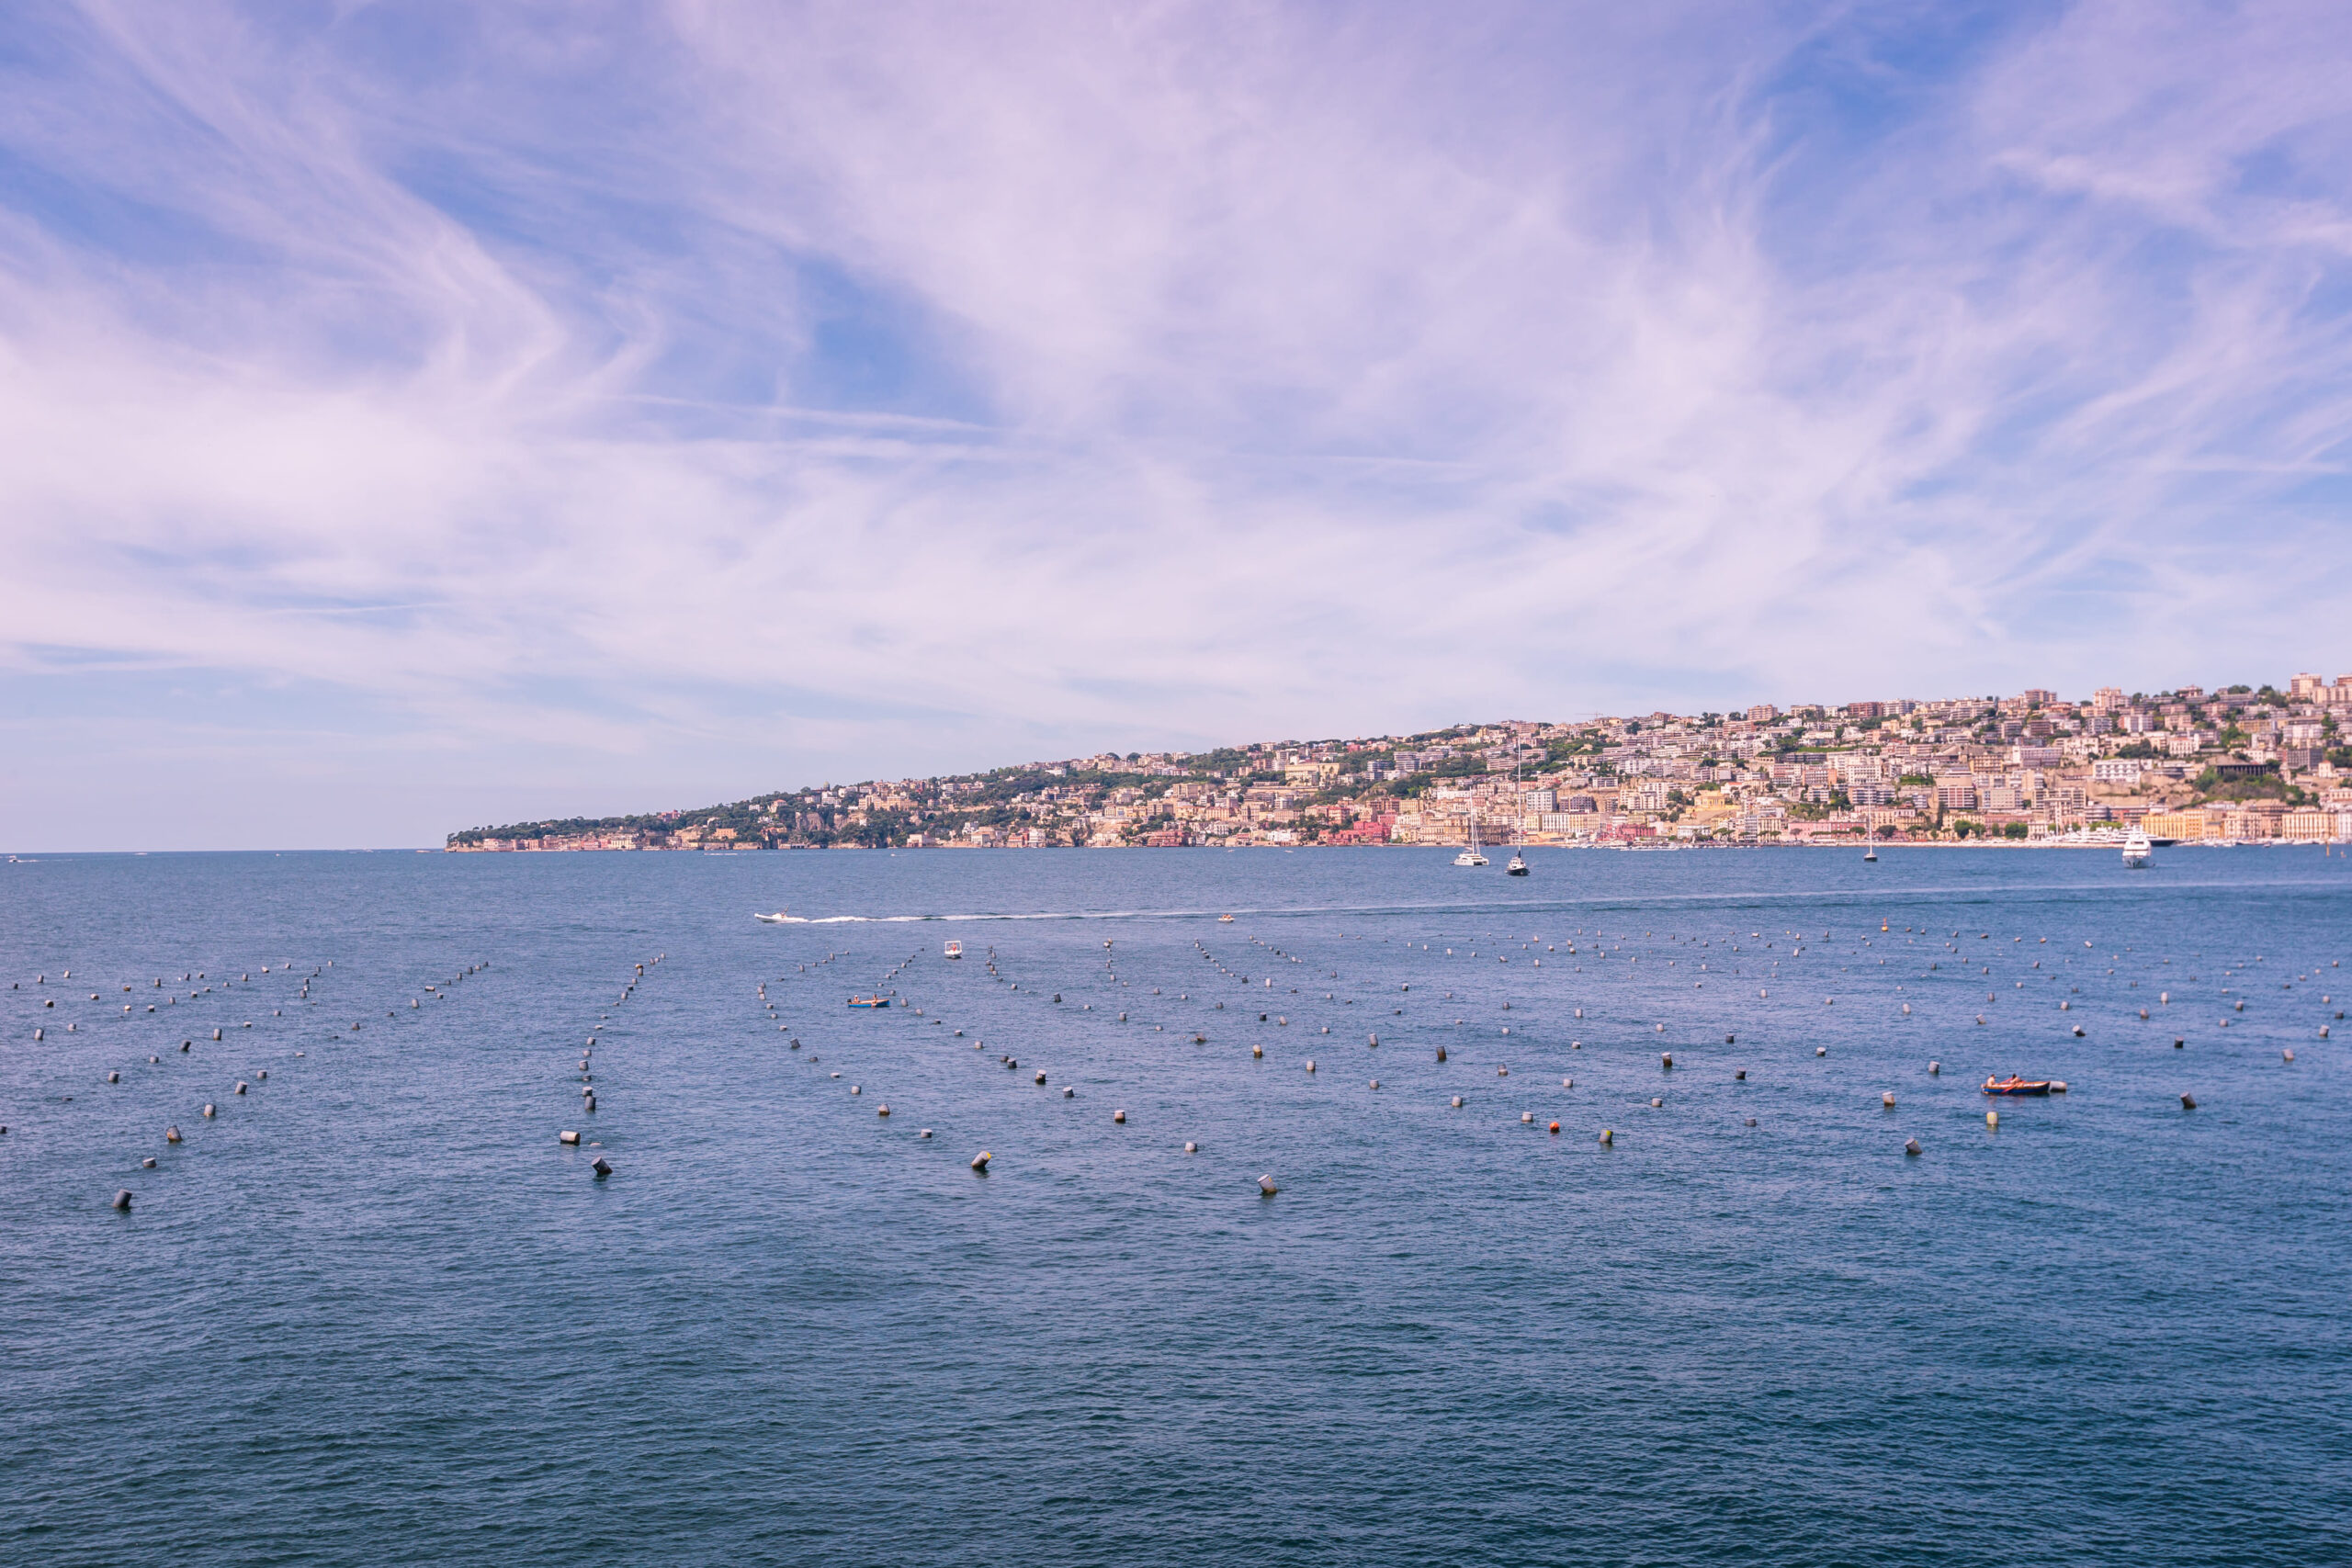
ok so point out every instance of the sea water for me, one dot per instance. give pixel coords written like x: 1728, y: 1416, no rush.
x: 373, y: 1311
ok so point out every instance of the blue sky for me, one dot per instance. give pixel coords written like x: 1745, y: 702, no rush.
x: 430, y: 414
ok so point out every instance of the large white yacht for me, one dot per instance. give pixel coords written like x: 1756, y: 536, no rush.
x: 2136, y: 850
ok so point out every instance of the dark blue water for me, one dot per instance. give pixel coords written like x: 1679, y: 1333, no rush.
x: 373, y: 1311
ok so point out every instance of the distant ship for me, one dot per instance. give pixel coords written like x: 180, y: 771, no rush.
x: 2136, y: 850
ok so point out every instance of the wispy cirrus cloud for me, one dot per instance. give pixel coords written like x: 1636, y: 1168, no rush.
x: 593, y: 407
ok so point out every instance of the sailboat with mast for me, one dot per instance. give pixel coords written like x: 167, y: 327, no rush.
x: 1471, y: 855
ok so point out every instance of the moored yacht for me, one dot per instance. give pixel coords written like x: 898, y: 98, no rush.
x: 2136, y: 850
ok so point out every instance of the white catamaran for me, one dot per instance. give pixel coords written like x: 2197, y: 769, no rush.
x: 1471, y: 855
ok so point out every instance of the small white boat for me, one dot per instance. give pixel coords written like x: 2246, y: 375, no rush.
x: 955, y: 949
x: 2136, y: 850
x: 779, y: 917
x: 1471, y: 855
x: 1517, y: 866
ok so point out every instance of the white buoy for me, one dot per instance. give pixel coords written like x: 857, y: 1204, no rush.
x: 2289, y: 1055
x: 116, y: 1078
x: 1608, y: 1135
x: 1266, y: 1186
x: 925, y: 1133
x: 1821, y: 1050
x: 1120, y: 1117
x: 1069, y: 1093
x: 567, y: 1136
x: 171, y: 1135
x: 1457, y: 1102
x: 1310, y: 1063
x: 1934, y: 1069
x: 1257, y: 1049
x: 981, y: 1161
x: 1991, y: 1119
x: 1192, y: 1148
x: 1910, y: 1145
x: 2189, y: 1102
x: 1655, y: 1102
x: 1751, y: 1121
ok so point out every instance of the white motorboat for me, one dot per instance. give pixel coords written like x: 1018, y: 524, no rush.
x: 955, y: 949
x: 2136, y: 850
x: 779, y: 917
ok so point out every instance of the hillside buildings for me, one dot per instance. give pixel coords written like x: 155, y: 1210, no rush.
x: 2236, y: 765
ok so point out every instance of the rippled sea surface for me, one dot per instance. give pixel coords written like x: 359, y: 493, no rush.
x: 372, y: 1311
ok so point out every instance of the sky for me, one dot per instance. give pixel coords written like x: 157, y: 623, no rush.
x: 418, y: 415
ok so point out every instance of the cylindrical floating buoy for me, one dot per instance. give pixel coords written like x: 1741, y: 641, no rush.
x: 122, y: 1199
x: 2189, y: 1102
x: 1120, y: 1117
x: 854, y: 1089
x: 1376, y: 1083
x: 882, y: 1110
x: 2289, y: 1054
x: 2176, y: 1045
x: 1934, y: 1069
x: 1069, y: 1093
x: 1991, y: 1119
x: 567, y: 1136
x: 1655, y: 1102
x: 1257, y: 1049
x: 1887, y: 1100
x: 147, y: 1164
x: 1266, y: 1186
x: 216, y: 1034
x: 1821, y: 1050
x: 1310, y: 1063
x: 925, y: 1133
x: 207, y: 1107
x: 981, y: 1161
x: 171, y: 1135
x: 1910, y: 1145
x: 1730, y: 1040
x: 1740, y: 1076
x: 1457, y: 1102
x: 601, y: 1167
x: 1667, y: 1059
x: 116, y: 1078
x: 1440, y: 1053
x: 1608, y: 1135
x: 1192, y: 1148
x: 1502, y: 1072
x: 1526, y: 1116
x: 2078, y: 1032
x: 1751, y: 1121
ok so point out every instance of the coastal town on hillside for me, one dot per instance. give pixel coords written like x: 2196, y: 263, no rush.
x: 2236, y: 765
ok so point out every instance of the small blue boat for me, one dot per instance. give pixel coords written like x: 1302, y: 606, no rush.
x: 869, y: 1001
